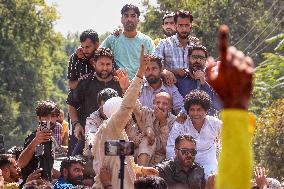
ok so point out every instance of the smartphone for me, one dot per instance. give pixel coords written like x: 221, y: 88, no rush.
x: 119, y: 148
x: 44, y: 125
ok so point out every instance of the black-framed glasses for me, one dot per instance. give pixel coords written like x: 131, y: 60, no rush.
x: 186, y: 151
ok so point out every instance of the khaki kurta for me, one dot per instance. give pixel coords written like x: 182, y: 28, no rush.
x: 145, y: 117
x: 113, y: 129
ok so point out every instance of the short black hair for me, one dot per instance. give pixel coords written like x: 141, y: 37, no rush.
x: 5, y: 160
x: 106, y: 94
x: 197, y: 47
x: 127, y: 7
x: 15, y: 151
x: 150, y: 183
x: 168, y: 15
x: 46, y: 107
x: 184, y: 137
x: 197, y: 97
x: 157, y: 60
x: 38, y: 184
x: 183, y: 14
x: 89, y: 34
x: 103, y: 52
x: 67, y: 162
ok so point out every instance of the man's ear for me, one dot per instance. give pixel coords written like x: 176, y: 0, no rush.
x: 97, y: 44
x: 176, y: 151
x: 92, y: 62
x: 65, y: 173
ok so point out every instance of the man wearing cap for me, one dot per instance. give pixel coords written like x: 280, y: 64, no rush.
x: 83, y: 102
x: 119, y: 112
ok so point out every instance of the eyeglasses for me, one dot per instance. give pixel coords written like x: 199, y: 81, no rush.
x: 186, y: 151
x: 203, y: 58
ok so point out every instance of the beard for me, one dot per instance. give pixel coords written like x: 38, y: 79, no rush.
x: 103, y: 74
x: 75, y: 180
x: 188, y: 160
x: 153, y: 79
x: 169, y: 33
x: 183, y: 35
x: 196, y: 66
x: 130, y: 26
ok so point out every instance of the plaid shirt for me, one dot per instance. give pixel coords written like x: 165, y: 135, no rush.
x: 173, y: 54
x: 57, y: 133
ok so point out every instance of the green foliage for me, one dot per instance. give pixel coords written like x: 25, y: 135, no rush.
x: 103, y: 36
x: 32, y: 66
x: 72, y: 42
x: 268, y: 139
x: 269, y: 78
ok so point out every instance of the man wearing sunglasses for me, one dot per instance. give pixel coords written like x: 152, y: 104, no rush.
x: 182, y: 170
x: 195, y: 77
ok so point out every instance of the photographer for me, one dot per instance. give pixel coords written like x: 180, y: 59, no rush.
x: 38, y: 151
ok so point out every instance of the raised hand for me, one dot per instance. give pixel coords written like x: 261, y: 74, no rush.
x: 122, y: 77
x: 144, y: 59
x: 42, y: 136
x: 79, y: 52
x: 233, y: 80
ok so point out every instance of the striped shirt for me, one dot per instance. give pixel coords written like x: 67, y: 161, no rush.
x: 148, y: 95
x: 172, y: 52
x: 57, y: 133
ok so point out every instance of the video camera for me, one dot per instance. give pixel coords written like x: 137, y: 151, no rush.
x: 44, y: 153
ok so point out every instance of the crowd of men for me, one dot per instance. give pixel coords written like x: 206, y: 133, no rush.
x: 126, y: 88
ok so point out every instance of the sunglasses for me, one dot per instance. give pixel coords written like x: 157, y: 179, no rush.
x: 186, y: 151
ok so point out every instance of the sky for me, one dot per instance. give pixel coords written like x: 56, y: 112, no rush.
x: 79, y: 15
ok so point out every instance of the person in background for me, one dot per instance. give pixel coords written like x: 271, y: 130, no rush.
x: 71, y: 169
x: 195, y: 78
x: 126, y: 46
x: 64, y: 132
x: 168, y: 24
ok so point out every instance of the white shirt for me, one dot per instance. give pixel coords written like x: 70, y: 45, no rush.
x: 206, y: 141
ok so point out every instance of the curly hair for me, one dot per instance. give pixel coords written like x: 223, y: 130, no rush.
x: 197, y: 47
x: 46, y: 107
x: 128, y: 7
x: 197, y: 97
x: 157, y: 60
x: 183, y: 14
x: 89, y: 34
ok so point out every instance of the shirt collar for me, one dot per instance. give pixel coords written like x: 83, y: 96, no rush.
x: 162, y: 88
